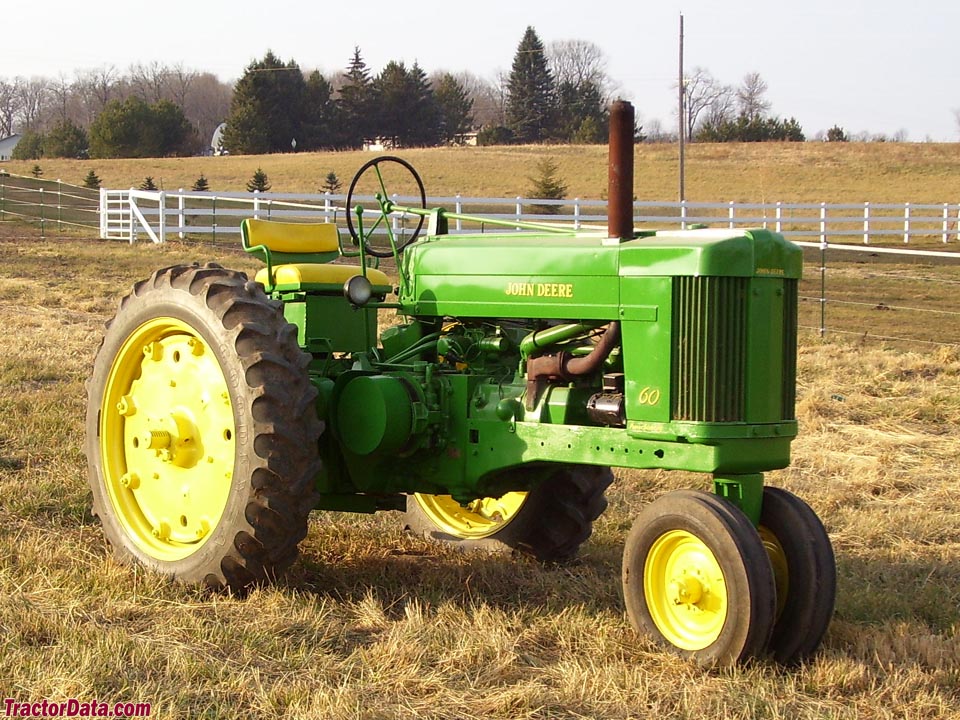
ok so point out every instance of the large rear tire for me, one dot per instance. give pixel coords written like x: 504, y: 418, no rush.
x: 201, y: 430
x: 550, y: 522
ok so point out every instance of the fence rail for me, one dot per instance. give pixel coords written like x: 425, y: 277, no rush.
x: 127, y: 213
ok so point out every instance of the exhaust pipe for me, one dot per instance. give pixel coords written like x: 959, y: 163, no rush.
x: 620, y: 176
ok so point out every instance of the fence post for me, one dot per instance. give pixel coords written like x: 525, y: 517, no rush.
x: 256, y: 204
x: 458, y: 205
x: 519, y: 209
x: 823, y: 269
x: 326, y: 207
x: 3, y: 202
x: 958, y: 222
x: 162, y: 225
x: 42, y: 228
x: 779, y: 216
x: 683, y: 214
x: 59, y: 205
x: 576, y: 213
x: 181, y: 218
x: 214, y: 218
x: 866, y: 223
x: 906, y: 222
x: 946, y: 214
x: 730, y: 215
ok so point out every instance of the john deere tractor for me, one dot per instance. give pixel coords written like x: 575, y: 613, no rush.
x: 528, y: 361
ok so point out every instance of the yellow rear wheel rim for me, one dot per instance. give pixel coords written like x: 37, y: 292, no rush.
x: 167, y: 439
x: 685, y: 590
x: 476, y: 520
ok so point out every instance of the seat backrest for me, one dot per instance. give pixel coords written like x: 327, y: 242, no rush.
x: 277, y: 243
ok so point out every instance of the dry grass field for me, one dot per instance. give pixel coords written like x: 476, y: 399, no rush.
x: 743, y: 172
x: 373, y: 623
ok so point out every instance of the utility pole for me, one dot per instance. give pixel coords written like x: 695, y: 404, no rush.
x: 681, y: 121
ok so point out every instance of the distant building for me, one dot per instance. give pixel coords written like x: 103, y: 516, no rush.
x: 7, y: 145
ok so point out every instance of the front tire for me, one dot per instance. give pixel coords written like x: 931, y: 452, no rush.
x: 201, y: 430
x: 549, y: 522
x: 697, y: 579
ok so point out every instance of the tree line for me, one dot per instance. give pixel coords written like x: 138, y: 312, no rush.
x: 553, y: 93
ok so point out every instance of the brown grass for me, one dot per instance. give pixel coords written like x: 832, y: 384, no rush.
x: 751, y: 172
x: 374, y: 623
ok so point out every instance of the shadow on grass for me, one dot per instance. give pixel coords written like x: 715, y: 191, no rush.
x: 436, y: 576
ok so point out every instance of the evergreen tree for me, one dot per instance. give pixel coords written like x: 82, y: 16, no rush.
x: 148, y: 183
x: 358, y: 102
x: 133, y: 129
x: 407, y: 109
x: 36, y: 171
x: 331, y: 183
x: 836, y: 134
x: 531, y: 92
x: 201, y: 184
x: 454, y: 107
x: 320, y: 127
x: 581, y: 114
x: 30, y: 146
x: 92, y: 181
x: 267, y: 107
x: 259, y: 182
x: 65, y: 140
x: 547, y: 185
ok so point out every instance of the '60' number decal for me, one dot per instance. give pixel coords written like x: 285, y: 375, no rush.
x: 649, y: 396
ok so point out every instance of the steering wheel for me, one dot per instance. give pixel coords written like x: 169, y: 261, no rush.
x: 381, y: 190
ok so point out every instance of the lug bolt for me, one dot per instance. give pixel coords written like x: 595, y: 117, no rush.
x: 131, y: 481
x: 196, y: 347
x: 126, y: 406
x: 162, y: 531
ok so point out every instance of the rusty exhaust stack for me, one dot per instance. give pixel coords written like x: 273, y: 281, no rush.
x: 620, y: 178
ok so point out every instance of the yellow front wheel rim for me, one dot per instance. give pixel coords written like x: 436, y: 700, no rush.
x: 478, y: 519
x: 685, y: 590
x: 778, y: 561
x: 167, y: 439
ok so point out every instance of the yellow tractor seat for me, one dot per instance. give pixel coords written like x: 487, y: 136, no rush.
x: 322, y: 274
x: 298, y: 257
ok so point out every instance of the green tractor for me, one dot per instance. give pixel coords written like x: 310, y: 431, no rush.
x: 529, y: 360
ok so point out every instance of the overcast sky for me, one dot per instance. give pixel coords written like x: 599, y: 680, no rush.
x: 866, y: 65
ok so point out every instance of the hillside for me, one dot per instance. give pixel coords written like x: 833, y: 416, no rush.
x: 797, y: 172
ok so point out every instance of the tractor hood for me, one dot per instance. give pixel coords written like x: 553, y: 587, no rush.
x: 575, y: 275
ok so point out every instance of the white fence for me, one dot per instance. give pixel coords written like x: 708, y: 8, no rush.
x: 126, y: 214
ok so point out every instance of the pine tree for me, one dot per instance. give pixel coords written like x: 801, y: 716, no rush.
x: 547, y: 185
x: 455, y: 109
x: 331, y: 183
x: 92, y: 181
x: 531, y: 92
x: 358, y: 102
x: 259, y: 182
x: 148, y: 183
x: 201, y: 184
x: 267, y: 107
x: 36, y: 171
x: 321, y: 126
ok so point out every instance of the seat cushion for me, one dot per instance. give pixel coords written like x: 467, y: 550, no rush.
x: 300, y: 274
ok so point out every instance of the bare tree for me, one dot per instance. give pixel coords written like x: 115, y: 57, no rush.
x: 703, y: 93
x: 579, y: 63
x: 9, y: 105
x: 207, y: 104
x: 486, y: 97
x: 149, y: 81
x: 750, y: 96
x: 179, y: 80
x: 33, y: 94
x: 96, y: 88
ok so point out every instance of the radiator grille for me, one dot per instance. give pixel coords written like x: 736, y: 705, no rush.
x: 789, y: 392
x: 709, y: 353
